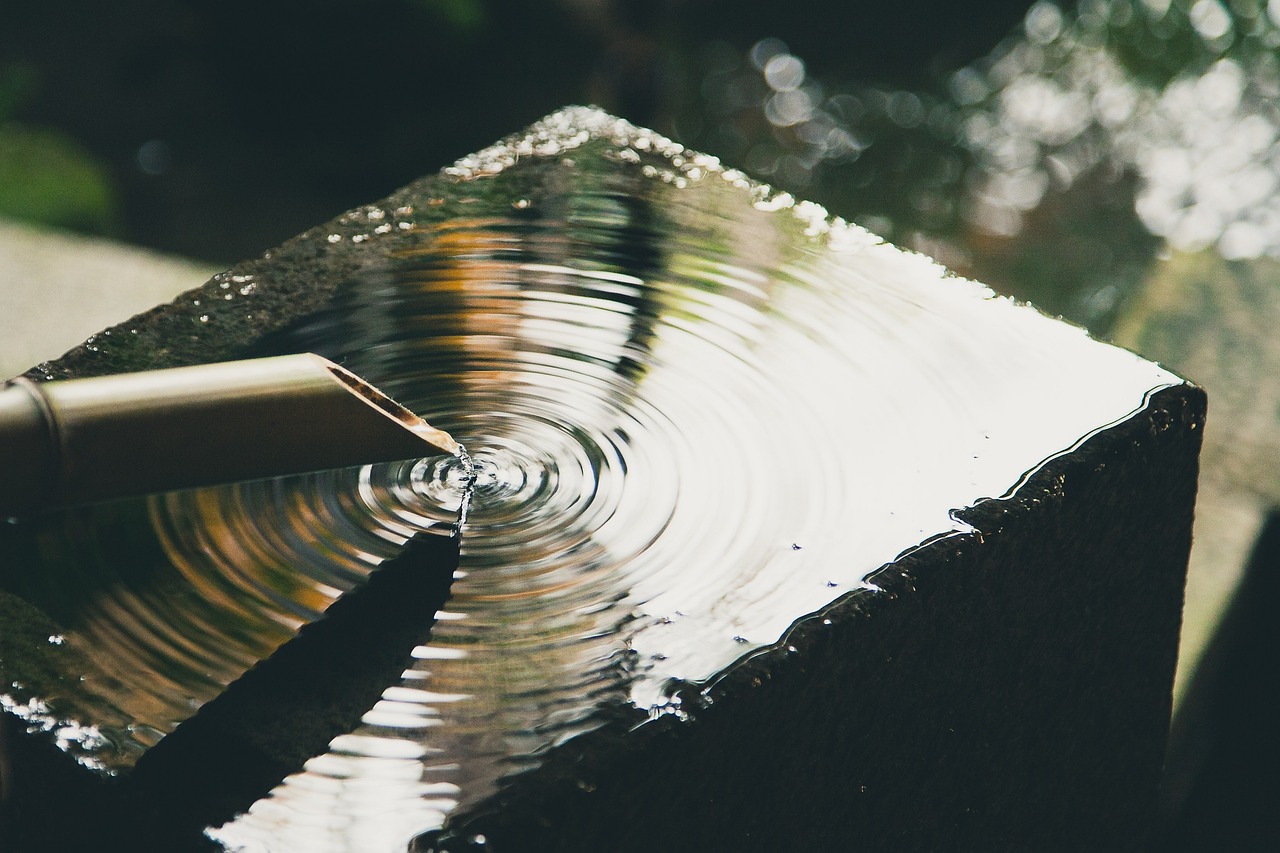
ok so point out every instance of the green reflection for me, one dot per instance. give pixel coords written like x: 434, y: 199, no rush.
x: 46, y: 177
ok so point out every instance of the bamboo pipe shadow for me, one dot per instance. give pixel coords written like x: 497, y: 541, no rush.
x: 287, y: 708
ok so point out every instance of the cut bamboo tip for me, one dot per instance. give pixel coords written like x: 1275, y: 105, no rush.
x: 85, y: 440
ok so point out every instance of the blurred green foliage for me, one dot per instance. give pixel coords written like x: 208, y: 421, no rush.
x: 46, y: 177
x: 1160, y: 40
x: 464, y: 16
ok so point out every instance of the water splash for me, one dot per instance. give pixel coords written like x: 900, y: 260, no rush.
x: 470, y: 475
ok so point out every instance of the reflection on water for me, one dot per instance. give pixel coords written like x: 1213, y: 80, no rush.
x: 697, y: 410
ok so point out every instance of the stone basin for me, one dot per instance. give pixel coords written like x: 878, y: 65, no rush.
x: 783, y: 538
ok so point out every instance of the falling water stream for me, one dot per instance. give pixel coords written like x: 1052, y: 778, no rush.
x: 697, y: 411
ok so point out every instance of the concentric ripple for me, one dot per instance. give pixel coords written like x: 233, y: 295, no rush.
x: 696, y: 412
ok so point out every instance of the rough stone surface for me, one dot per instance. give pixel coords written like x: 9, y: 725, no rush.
x: 234, y: 310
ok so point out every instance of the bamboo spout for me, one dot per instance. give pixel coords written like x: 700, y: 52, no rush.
x: 85, y: 440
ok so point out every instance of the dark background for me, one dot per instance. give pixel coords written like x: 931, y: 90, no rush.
x: 218, y: 128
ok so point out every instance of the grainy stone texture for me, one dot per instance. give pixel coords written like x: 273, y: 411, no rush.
x: 231, y: 313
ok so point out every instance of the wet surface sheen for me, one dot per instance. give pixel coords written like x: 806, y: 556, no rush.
x: 698, y: 412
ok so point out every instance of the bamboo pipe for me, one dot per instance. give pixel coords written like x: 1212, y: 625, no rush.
x: 86, y: 440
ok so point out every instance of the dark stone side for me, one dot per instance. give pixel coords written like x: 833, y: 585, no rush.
x: 1008, y: 690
